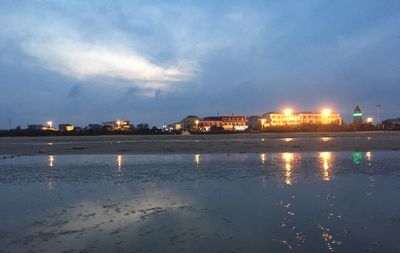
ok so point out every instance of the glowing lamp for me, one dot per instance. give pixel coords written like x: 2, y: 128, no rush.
x: 326, y: 112
x: 288, y: 111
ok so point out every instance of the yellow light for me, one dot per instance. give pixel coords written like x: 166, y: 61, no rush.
x: 197, y: 160
x: 326, y: 161
x: 51, y: 161
x: 50, y: 123
x: 326, y: 112
x: 263, y: 158
x: 288, y: 159
x: 369, y: 120
x: 119, y: 162
x: 325, y: 139
x: 288, y: 139
x: 288, y: 111
x: 368, y: 155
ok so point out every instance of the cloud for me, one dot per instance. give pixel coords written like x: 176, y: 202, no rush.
x: 108, y: 57
x: 84, y: 60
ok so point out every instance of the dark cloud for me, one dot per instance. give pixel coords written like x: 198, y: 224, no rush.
x: 74, y: 91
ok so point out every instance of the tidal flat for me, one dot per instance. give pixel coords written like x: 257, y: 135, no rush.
x: 193, y: 144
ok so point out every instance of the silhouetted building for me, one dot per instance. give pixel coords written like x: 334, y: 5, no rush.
x: 94, y: 127
x: 391, y: 124
x: 35, y: 127
x: 253, y: 122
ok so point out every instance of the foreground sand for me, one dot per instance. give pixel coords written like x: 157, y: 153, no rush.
x: 237, y: 143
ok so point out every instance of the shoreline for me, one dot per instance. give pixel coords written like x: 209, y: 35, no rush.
x: 199, y: 144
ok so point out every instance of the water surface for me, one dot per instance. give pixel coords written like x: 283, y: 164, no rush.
x: 279, y: 202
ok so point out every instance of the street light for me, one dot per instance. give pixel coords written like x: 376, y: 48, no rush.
x: 326, y: 112
x: 369, y: 120
x: 197, y: 124
x: 50, y: 124
x: 288, y: 111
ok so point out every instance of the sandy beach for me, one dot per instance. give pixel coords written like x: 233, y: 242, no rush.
x: 232, y: 143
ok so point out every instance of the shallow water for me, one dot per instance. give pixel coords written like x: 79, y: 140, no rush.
x: 280, y: 202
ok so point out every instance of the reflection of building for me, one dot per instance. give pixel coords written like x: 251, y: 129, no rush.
x: 120, y: 125
x: 288, y: 118
x: 229, y: 123
x: 357, y: 115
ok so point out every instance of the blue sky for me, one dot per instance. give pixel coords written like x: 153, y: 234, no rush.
x: 158, y: 61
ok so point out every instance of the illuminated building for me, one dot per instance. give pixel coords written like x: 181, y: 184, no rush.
x: 357, y: 115
x: 174, y: 127
x: 290, y: 118
x: 120, y: 125
x: 65, y: 127
x: 189, y: 122
x: 228, y: 123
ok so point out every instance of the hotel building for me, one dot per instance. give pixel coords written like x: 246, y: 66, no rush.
x: 288, y: 118
x: 120, y: 125
x: 228, y: 123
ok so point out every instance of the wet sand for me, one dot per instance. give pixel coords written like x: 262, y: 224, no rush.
x: 230, y: 143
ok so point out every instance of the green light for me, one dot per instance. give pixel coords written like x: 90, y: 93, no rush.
x: 357, y: 114
x: 357, y: 157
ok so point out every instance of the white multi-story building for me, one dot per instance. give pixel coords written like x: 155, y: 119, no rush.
x: 289, y: 118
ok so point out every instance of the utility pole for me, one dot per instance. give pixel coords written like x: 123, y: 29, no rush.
x: 378, y: 114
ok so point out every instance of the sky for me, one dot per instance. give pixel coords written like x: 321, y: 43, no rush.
x: 149, y: 61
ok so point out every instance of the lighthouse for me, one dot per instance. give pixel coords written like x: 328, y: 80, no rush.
x: 357, y: 115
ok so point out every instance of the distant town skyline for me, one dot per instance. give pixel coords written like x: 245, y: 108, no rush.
x: 156, y: 62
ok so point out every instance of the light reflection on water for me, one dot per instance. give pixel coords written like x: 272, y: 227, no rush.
x: 326, y: 161
x: 275, y: 202
x: 197, y: 160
